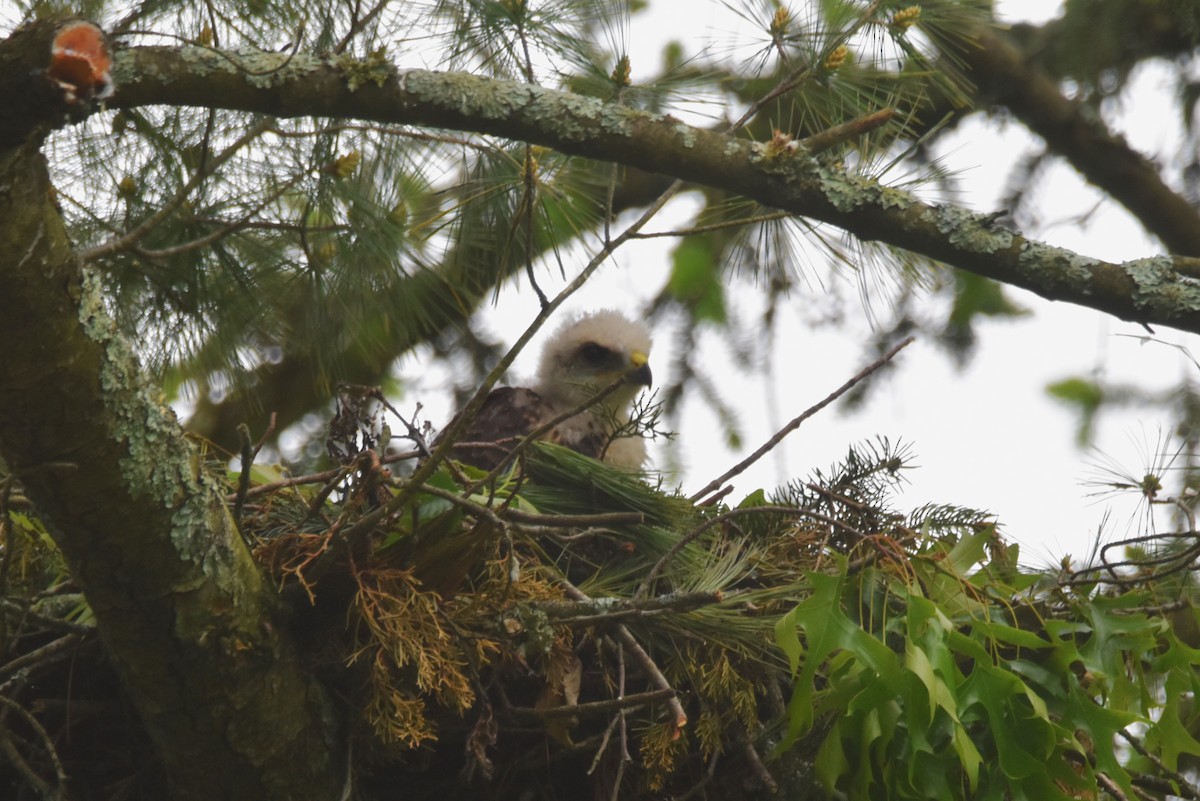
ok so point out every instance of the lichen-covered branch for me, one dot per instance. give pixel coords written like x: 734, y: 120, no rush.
x: 1163, y: 291
x: 180, y: 606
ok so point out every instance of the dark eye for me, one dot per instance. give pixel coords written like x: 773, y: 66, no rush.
x: 594, y: 354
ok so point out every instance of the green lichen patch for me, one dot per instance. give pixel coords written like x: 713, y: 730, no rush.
x: 157, y: 463
x: 847, y: 192
x: 466, y: 94
x: 1056, y: 268
x: 376, y: 68
x: 969, y: 231
x: 1158, y: 286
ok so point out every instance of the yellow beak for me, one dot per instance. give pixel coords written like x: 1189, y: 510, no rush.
x: 641, y: 373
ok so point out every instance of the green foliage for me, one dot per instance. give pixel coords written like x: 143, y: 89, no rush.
x: 976, y: 297
x: 951, y: 683
x: 695, y: 280
x: 1086, y: 396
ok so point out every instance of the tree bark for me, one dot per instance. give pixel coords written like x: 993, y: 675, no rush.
x: 179, y: 604
x: 1077, y: 133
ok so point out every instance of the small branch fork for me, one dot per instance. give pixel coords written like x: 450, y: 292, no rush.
x: 249, y: 451
x: 1183, y: 787
x: 1150, y: 568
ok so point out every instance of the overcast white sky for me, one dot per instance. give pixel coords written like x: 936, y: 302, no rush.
x: 986, y: 436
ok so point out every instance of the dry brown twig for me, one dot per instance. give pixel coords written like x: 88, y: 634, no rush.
x: 1183, y: 787
x: 622, y: 703
x: 629, y: 641
x: 249, y: 451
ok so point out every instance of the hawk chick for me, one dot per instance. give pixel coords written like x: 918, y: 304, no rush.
x: 582, y: 358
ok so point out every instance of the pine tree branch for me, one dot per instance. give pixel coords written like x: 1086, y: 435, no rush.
x: 607, y: 610
x: 131, y: 238
x: 1163, y: 290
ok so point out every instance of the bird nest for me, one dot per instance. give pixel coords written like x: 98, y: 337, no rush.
x: 562, y: 621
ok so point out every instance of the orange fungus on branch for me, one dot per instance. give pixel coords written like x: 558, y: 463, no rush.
x: 81, y: 63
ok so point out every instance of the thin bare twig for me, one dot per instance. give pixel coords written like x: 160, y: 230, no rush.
x: 60, y: 775
x: 318, y: 478
x: 622, y: 727
x: 230, y: 227
x: 1184, y: 787
x: 619, y: 703
x: 601, y: 519
x: 410, y: 426
x: 357, y: 26
x: 796, y: 421
x: 128, y: 240
x: 528, y: 205
x: 835, y: 135
x: 249, y: 451
x: 705, y: 229
x: 1110, y: 787
x: 476, y: 510
x: 756, y: 764
x: 604, y: 738
x: 1175, y: 561
x: 20, y: 611
x: 625, y: 758
x: 49, y: 653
